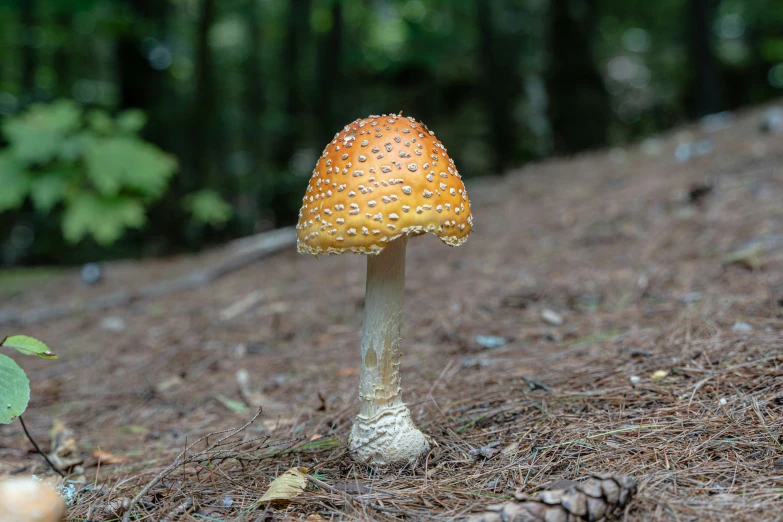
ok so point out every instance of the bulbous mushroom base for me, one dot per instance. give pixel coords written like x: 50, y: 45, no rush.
x: 386, y: 438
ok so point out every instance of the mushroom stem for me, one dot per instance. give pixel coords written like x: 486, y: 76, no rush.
x: 383, y: 432
x: 379, y: 382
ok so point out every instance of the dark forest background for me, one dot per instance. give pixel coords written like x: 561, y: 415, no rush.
x: 145, y: 127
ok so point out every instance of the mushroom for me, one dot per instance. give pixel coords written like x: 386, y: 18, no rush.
x: 30, y: 500
x: 381, y: 180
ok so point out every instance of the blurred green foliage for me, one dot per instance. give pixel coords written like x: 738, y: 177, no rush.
x: 245, y: 94
x: 88, y: 171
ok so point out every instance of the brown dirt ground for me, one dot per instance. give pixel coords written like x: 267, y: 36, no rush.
x: 609, y: 240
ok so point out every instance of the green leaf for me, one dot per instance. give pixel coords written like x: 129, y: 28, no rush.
x: 207, y: 207
x: 47, y: 190
x: 118, y: 163
x: 100, y: 121
x: 14, y: 390
x: 74, y: 147
x: 231, y: 404
x: 15, y: 183
x: 28, y: 346
x: 131, y: 121
x: 37, y: 135
x: 103, y: 218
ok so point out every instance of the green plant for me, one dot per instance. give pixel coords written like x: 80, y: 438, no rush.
x: 207, y: 207
x: 91, y: 169
x: 14, y: 384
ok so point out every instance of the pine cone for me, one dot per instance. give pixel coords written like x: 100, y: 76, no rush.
x: 598, y: 499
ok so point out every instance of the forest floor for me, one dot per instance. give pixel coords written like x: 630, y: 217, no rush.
x: 653, y: 264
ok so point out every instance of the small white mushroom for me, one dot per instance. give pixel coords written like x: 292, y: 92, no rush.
x: 30, y: 500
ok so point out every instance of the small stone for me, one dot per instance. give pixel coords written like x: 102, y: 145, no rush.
x: 716, y: 122
x: 684, y: 152
x: 635, y: 379
x: 723, y: 402
x: 703, y: 147
x: 113, y: 324
x: 741, y: 327
x: 91, y: 273
x: 490, y: 341
x: 551, y: 317
x: 652, y: 146
x: 470, y: 362
x: 691, y: 297
x: 773, y: 120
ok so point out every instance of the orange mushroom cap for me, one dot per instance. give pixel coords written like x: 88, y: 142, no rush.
x: 379, y: 178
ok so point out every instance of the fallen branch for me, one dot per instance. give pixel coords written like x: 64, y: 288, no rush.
x: 242, y: 252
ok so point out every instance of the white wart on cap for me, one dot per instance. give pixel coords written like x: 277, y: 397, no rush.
x: 380, y: 178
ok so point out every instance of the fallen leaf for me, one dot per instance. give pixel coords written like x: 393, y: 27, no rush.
x: 511, y: 449
x: 231, y: 404
x: 751, y: 257
x: 106, y: 458
x: 660, y: 374
x: 348, y: 371
x: 168, y: 383
x: 286, y: 487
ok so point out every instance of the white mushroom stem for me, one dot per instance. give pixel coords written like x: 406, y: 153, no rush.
x: 383, y: 432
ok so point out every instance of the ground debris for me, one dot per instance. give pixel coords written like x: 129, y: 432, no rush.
x: 600, y: 498
x: 490, y: 341
x: 750, y: 257
x: 651, y: 279
x: 487, y: 451
x: 552, y: 317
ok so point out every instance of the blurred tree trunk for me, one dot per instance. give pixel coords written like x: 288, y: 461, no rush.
x: 330, y: 75
x: 62, y: 66
x: 579, y: 109
x: 141, y: 85
x: 296, y: 36
x: 205, y: 142
x: 28, y: 21
x: 254, y: 84
x: 497, y: 84
x: 250, y: 183
x: 703, y: 91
